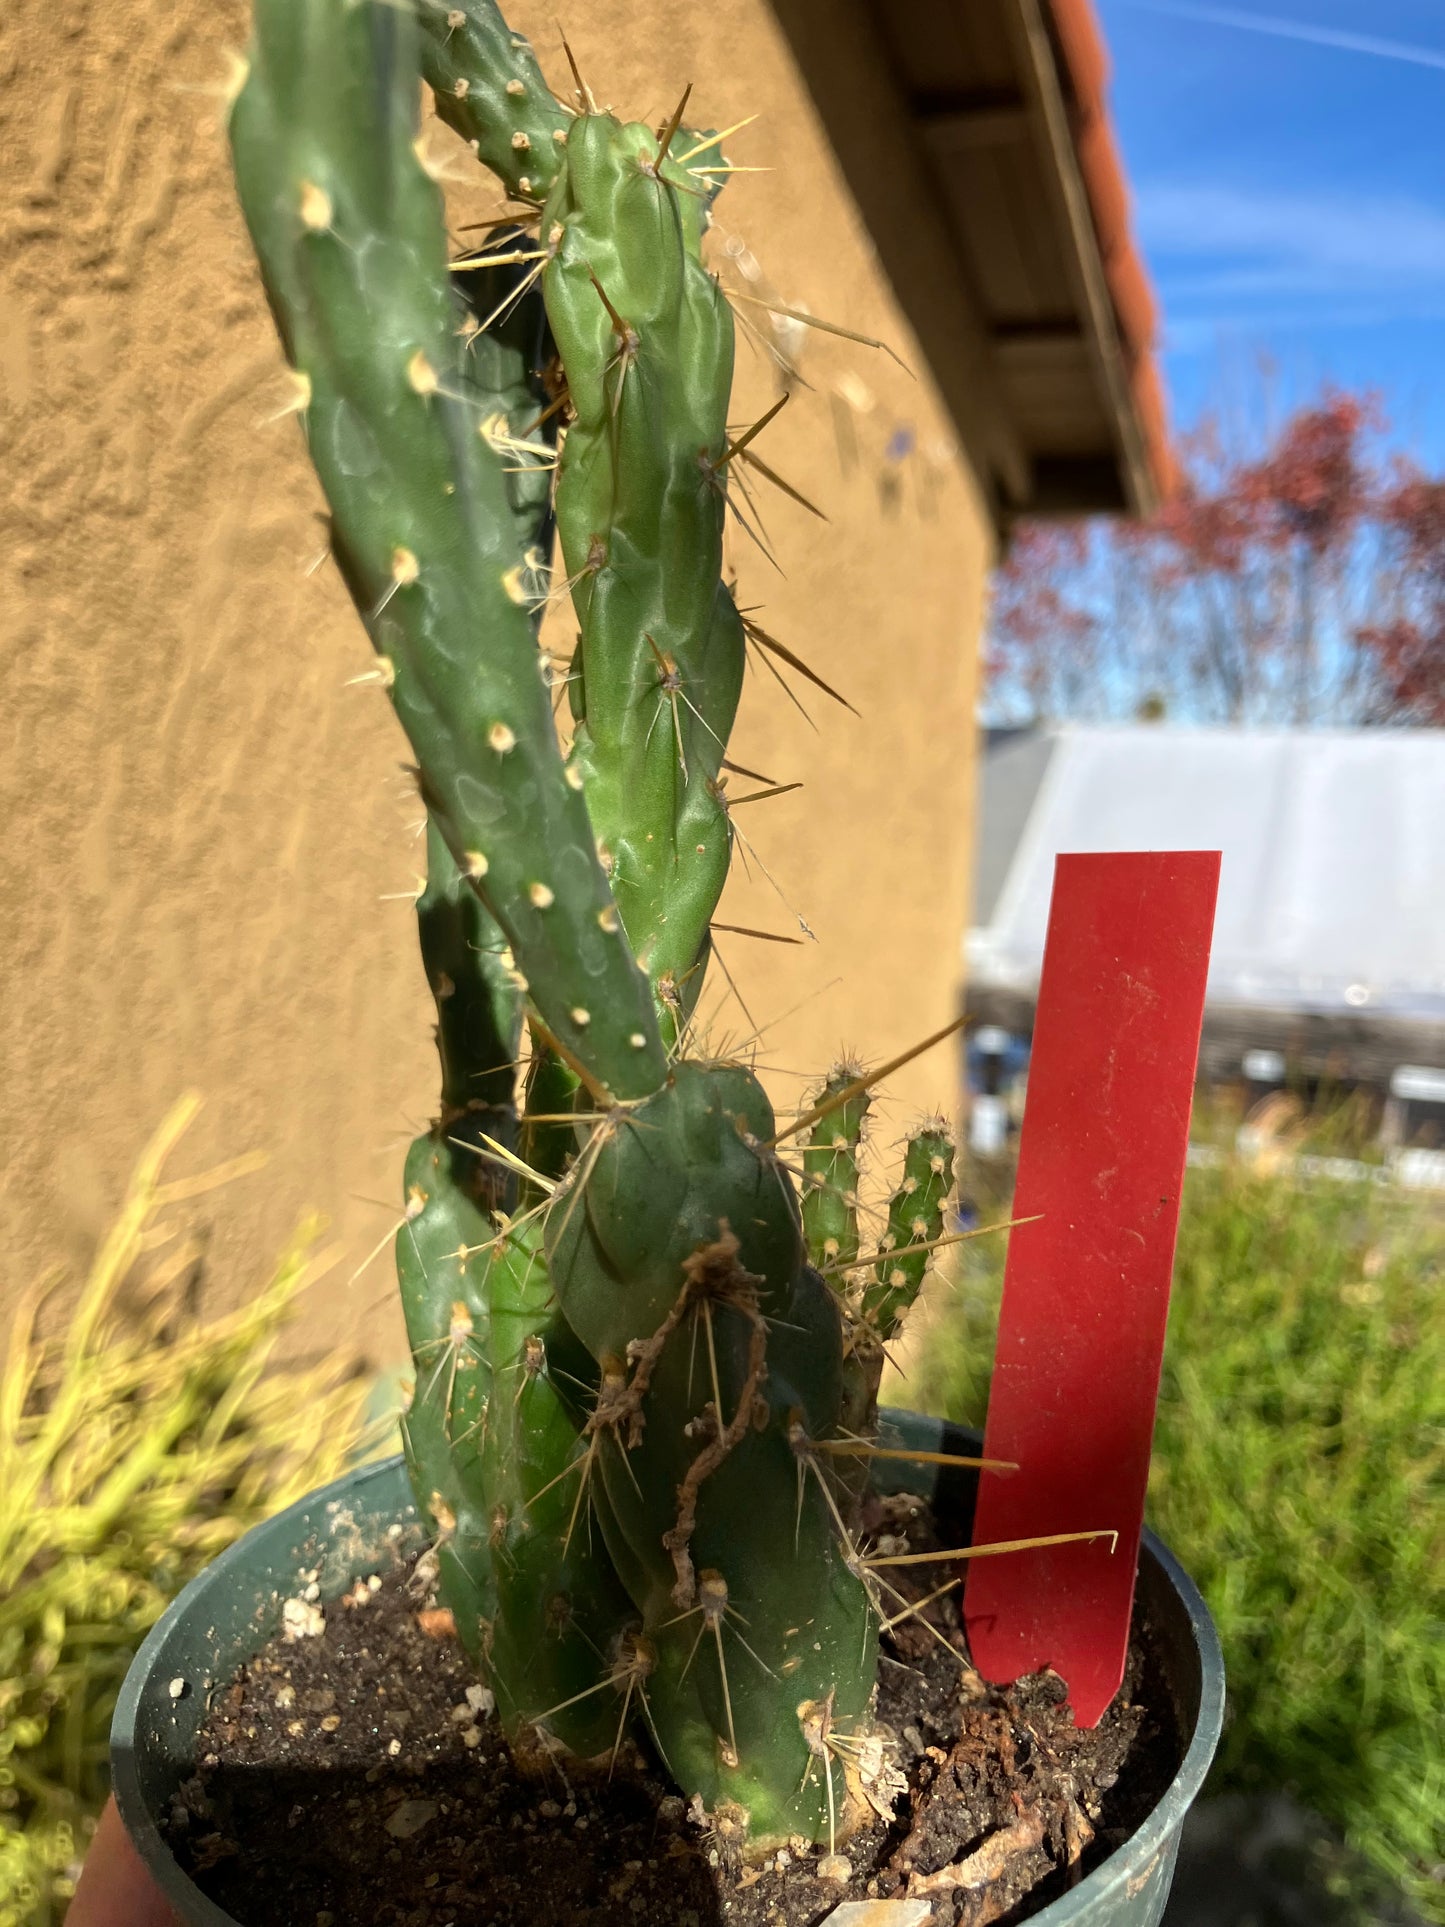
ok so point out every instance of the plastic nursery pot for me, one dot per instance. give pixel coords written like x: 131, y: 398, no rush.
x: 346, y: 1530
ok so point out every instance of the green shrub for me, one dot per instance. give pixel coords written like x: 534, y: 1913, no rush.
x: 135, y: 1444
x: 1297, y: 1473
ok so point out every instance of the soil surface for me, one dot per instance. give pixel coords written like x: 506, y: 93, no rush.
x: 354, y: 1773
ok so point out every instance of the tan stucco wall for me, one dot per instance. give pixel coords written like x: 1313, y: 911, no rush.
x: 200, y: 820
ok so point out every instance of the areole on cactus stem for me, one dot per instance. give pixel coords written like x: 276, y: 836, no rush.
x: 645, y: 1374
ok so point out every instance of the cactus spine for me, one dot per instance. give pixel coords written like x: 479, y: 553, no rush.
x: 613, y: 1297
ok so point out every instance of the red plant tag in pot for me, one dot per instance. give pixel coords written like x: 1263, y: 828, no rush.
x: 1086, y: 1286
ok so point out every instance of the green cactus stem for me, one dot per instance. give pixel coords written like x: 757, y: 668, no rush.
x: 548, y: 1137
x: 559, y: 1604
x: 830, y: 1224
x: 489, y: 87
x: 442, y: 1267
x: 479, y: 1009
x: 491, y: 1440
x: 915, y: 1219
x: 830, y: 1170
x: 646, y: 336
x: 676, y: 1253
x: 348, y: 228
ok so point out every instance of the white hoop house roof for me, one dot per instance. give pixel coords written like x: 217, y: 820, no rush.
x: 1332, y: 896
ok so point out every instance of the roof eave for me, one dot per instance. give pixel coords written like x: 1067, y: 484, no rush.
x: 887, y: 140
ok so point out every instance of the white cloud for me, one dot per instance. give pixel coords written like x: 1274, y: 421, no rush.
x: 1208, y: 333
x: 1211, y: 241
x: 1306, y: 31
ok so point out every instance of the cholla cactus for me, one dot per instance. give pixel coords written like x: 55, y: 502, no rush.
x: 641, y: 1372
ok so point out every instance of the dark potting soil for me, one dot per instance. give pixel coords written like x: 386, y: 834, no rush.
x: 354, y: 1773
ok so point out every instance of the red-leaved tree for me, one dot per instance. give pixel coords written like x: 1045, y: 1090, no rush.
x: 1301, y: 581
x: 1407, y: 646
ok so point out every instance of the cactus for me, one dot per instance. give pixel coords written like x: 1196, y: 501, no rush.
x: 490, y: 1439
x: 915, y: 1220
x: 488, y: 86
x: 645, y: 1375
x: 646, y: 336
x: 830, y: 1169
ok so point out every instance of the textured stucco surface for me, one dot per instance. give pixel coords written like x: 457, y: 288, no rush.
x: 201, y: 822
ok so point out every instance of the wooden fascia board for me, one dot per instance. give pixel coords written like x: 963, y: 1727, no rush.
x: 1075, y: 223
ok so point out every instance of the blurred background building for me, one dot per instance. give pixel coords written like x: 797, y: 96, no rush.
x: 209, y: 847
x: 1328, y: 969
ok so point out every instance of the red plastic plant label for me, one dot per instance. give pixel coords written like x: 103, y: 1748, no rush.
x: 1086, y: 1287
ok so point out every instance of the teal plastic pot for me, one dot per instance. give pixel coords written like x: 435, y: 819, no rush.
x: 348, y: 1529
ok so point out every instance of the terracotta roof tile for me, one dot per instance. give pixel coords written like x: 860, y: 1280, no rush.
x: 1103, y: 176
x: 1086, y: 61
x: 1133, y: 295
x: 1084, y: 47
x: 1149, y: 398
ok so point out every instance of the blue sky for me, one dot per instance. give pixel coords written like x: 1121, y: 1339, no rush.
x: 1288, y: 165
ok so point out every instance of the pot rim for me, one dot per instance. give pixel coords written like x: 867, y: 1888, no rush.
x: 1124, y: 1871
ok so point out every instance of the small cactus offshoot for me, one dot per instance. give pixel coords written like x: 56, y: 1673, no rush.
x: 646, y: 1371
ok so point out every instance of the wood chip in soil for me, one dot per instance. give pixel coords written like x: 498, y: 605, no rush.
x: 357, y: 1774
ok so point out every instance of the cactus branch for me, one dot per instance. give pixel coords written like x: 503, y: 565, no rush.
x: 348, y: 228
x: 647, y: 341
x: 915, y: 1224
x: 830, y: 1165
x: 489, y: 87
x: 831, y: 1100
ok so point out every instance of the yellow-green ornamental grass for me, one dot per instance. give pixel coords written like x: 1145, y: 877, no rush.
x: 136, y: 1442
